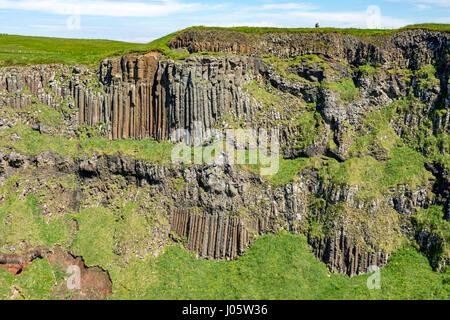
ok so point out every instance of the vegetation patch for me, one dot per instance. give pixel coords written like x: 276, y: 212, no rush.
x: 271, y: 98
x: 376, y: 137
x: 367, y: 70
x: 283, y: 267
x: 21, y: 221
x: 406, y: 167
x: 349, y: 31
x: 24, y: 50
x: 347, y: 90
x: 427, y: 77
x: 432, y: 222
x: 33, y: 143
x: 282, y: 66
x: 310, y: 126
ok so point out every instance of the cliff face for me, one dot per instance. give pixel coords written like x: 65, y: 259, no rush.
x: 332, y: 95
x: 218, y: 211
x: 408, y: 49
x: 143, y: 96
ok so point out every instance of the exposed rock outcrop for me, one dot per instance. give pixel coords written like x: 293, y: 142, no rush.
x: 406, y: 49
x: 319, y: 89
x: 94, y: 283
x: 218, y: 211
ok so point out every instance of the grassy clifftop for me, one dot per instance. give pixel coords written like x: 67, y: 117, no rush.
x: 24, y: 50
x: 349, y: 31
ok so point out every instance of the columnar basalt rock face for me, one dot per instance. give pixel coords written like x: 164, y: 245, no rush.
x: 179, y: 94
x: 221, y: 222
x: 343, y: 256
x: 143, y: 96
x: 205, y: 89
x: 120, y: 96
x: 138, y: 96
x: 220, y: 210
x: 133, y: 112
x: 408, y: 49
x: 18, y: 85
x: 214, y: 236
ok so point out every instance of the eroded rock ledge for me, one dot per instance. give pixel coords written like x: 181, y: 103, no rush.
x: 142, y: 96
x: 95, y: 283
x: 218, y: 211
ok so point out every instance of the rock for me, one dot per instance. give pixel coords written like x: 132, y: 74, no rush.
x: 219, y: 210
x: 88, y: 167
x: 15, y: 137
x: 15, y: 160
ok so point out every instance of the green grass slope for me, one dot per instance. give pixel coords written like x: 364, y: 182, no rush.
x: 350, y: 31
x: 276, y: 267
x: 24, y: 50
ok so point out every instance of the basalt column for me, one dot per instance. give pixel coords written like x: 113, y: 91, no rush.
x: 136, y: 107
x: 215, y: 236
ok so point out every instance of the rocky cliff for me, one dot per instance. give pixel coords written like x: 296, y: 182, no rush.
x: 352, y: 108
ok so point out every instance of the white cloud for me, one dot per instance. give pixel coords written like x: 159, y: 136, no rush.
x: 422, y: 6
x: 101, y: 8
x: 443, y: 20
x: 137, y: 39
x: 347, y: 19
x: 439, y: 3
x: 49, y: 27
x: 243, y: 23
x: 303, y: 15
x: 288, y: 6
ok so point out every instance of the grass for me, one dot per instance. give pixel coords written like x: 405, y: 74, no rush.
x: 34, y: 143
x: 310, y: 126
x: 259, y: 91
x: 275, y: 267
x: 95, y: 238
x: 35, y: 284
x: 376, y: 133
x: 367, y: 69
x: 22, y: 50
x: 20, y: 219
x: 427, y: 77
x: 147, y: 149
x: 349, y: 31
x: 25, y: 50
x: 406, y: 167
x: 287, y: 170
x: 282, y: 65
x: 432, y: 220
x: 419, y: 136
x: 347, y: 90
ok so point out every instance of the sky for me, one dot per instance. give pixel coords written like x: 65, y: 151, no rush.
x: 143, y: 21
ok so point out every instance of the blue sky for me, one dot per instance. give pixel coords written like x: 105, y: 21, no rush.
x: 143, y: 21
